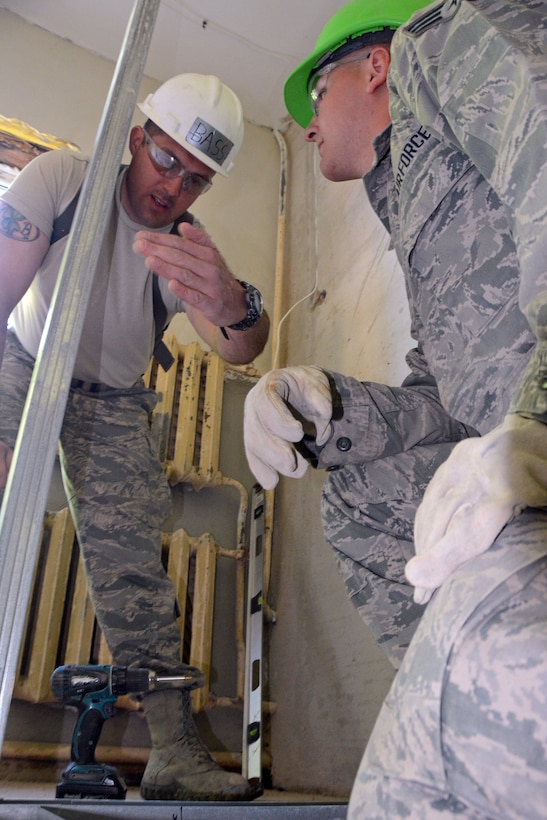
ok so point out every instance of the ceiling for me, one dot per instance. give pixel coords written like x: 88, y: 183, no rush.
x: 251, y: 44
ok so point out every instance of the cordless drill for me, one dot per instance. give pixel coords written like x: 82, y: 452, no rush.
x: 93, y: 690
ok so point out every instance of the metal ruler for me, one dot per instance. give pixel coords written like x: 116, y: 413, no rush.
x: 252, y: 706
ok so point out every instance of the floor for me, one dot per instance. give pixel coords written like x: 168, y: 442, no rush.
x: 46, y: 791
x: 36, y: 801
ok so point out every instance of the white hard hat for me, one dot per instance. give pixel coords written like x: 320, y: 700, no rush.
x: 201, y: 114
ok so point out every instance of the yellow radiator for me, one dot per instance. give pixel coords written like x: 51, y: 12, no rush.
x: 187, y: 420
x: 61, y: 627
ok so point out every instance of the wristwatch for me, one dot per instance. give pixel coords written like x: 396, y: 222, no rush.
x: 255, y: 307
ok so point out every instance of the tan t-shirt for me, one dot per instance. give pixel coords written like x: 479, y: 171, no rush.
x: 118, y: 333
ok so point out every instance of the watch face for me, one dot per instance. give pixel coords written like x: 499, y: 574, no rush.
x: 254, y: 299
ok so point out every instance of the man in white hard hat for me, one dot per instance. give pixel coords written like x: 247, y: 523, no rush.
x: 117, y: 491
x: 447, y: 127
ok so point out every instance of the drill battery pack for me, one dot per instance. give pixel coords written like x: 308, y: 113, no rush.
x: 91, y: 781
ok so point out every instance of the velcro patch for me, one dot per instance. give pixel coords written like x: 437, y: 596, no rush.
x: 432, y: 17
x: 209, y: 141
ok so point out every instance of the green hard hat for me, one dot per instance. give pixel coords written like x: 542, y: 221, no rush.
x: 354, y: 19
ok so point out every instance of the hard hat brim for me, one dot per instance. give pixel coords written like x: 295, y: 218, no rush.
x: 295, y: 91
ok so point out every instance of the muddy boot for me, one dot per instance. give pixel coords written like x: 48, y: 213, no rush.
x: 180, y: 766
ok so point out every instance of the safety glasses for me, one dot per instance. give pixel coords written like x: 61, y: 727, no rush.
x: 170, y: 167
x: 315, y: 94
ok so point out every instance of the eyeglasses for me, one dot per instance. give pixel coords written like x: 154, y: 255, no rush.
x: 316, y: 95
x: 170, y: 167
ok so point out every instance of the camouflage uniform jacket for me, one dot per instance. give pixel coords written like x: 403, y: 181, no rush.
x: 474, y: 76
x: 465, y: 245
x: 409, y: 769
x: 476, y: 137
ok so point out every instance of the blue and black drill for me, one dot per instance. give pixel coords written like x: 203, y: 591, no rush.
x: 93, y: 690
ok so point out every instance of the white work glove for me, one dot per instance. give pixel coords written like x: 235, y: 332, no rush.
x: 270, y: 427
x: 483, y: 484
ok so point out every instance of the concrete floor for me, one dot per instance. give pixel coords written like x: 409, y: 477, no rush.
x: 46, y: 791
x: 30, y: 801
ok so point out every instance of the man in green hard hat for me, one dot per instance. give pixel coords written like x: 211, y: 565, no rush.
x: 445, y: 121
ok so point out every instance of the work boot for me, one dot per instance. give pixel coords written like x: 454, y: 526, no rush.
x: 180, y: 766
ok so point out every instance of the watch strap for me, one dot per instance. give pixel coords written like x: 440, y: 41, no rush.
x: 253, y: 314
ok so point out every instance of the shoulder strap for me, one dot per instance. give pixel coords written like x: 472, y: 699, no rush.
x: 63, y: 223
x: 61, y: 227
x: 162, y: 354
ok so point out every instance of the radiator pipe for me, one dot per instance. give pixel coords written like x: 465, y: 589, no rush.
x: 280, y: 251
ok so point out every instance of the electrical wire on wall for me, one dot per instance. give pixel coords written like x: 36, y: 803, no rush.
x: 205, y: 22
x: 286, y: 315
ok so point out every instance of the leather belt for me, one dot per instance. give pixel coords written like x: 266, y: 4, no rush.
x: 90, y: 387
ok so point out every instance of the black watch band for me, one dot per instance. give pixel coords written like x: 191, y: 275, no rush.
x: 255, y: 308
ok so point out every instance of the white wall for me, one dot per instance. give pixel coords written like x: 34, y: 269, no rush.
x: 52, y: 84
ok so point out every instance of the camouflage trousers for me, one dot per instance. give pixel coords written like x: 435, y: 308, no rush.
x: 119, y: 499
x: 368, y: 515
x: 463, y: 730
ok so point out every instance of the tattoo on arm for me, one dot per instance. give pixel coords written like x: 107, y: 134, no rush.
x: 14, y: 225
